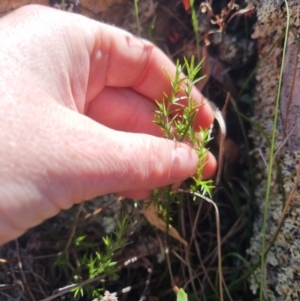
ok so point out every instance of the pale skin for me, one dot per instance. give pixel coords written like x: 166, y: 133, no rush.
x: 76, y: 117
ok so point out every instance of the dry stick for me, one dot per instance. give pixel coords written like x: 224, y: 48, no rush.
x: 195, y: 224
x: 169, y: 267
x: 230, y: 8
x: 229, y: 233
x: 227, y: 291
x: 285, y: 209
x: 182, y: 222
x: 271, y: 160
x: 263, y: 158
x: 179, y: 258
x: 218, y: 115
x: 21, y: 270
x: 290, y: 99
x: 188, y: 247
x: 63, y: 4
x: 205, y: 270
x: 173, y: 15
x: 68, y: 288
x: 183, y: 231
x: 8, y: 297
x: 45, y: 256
x: 187, y: 262
x: 13, y: 275
x: 18, y: 282
x: 196, y: 233
x: 190, y: 270
x: 36, y: 276
x: 187, y: 265
x: 285, y: 140
x: 166, y: 252
x: 100, y: 209
x: 201, y: 292
x: 218, y: 237
x: 149, y: 268
x: 73, y: 231
x: 206, y: 275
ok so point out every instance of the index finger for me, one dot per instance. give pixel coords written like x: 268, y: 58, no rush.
x: 132, y: 62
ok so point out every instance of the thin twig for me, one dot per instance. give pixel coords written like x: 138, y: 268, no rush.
x: 218, y: 237
x: 22, y: 272
x: 169, y: 267
x: 226, y: 237
x: 73, y: 231
x: 8, y: 297
x: 222, y: 125
x: 285, y: 140
x: 149, y: 269
x: 271, y: 159
x: 68, y: 288
x: 187, y: 249
x: 285, y: 209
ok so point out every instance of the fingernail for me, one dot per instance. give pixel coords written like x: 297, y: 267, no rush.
x: 184, y: 163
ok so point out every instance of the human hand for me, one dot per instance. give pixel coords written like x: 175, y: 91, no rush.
x: 76, y: 111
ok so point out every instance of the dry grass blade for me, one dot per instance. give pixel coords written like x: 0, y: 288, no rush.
x: 286, y: 207
x: 73, y: 229
x: 22, y: 273
x: 220, y: 273
x: 222, y: 135
x: 69, y: 288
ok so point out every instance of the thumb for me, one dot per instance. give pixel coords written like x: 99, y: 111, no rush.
x: 110, y: 161
x: 61, y: 158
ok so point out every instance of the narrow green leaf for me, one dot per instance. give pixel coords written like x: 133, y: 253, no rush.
x: 181, y: 295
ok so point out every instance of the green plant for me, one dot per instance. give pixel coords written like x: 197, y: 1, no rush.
x: 181, y: 295
x: 94, y: 265
x: 136, y: 11
x: 176, y: 115
x: 194, y: 20
x: 177, y: 119
x: 264, y: 249
x: 63, y: 4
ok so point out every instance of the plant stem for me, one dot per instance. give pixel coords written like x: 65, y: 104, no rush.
x: 271, y: 159
x: 136, y: 10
